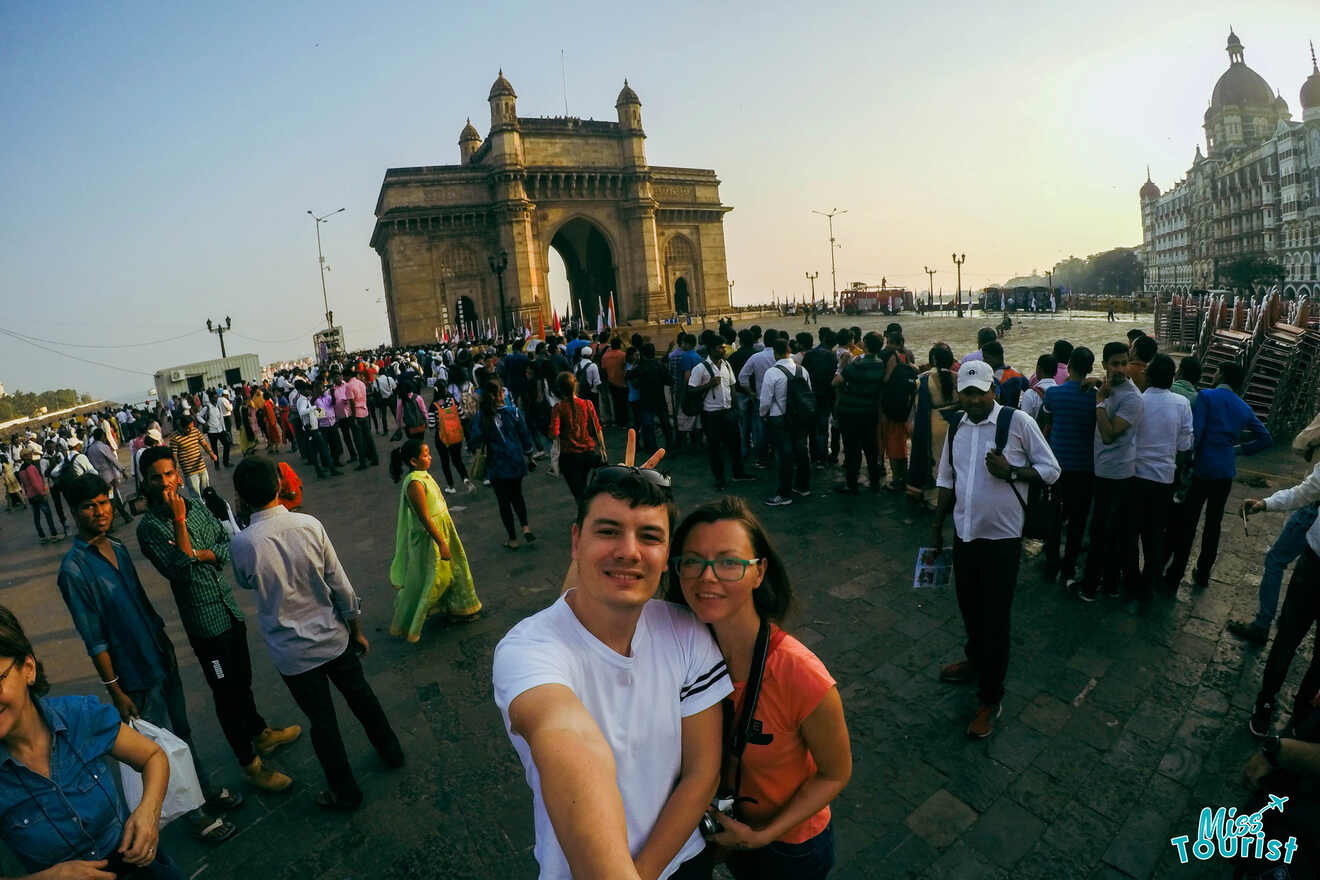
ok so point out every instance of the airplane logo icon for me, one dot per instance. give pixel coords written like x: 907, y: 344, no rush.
x: 1276, y: 803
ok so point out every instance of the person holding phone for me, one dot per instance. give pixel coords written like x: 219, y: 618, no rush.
x: 308, y: 615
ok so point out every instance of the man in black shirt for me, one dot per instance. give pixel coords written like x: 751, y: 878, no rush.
x: 821, y: 365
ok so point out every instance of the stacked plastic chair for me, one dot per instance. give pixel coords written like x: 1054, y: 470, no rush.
x: 1279, y: 366
x: 1231, y: 334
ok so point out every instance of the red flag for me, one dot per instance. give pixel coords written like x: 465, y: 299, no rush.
x: 555, y: 313
x: 614, y: 321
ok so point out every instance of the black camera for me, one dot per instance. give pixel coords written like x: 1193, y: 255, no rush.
x: 710, y: 823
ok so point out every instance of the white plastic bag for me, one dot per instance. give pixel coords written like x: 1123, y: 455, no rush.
x: 184, y: 792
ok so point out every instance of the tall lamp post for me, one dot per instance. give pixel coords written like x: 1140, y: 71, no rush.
x: 930, y: 297
x: 834, y: 278
x: 812, y: 276
x: 497, y: 265
x: 320, y: 259
x: 958, y: 261
x: 221, y: 329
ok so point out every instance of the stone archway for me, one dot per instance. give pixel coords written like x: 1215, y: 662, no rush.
x: 681, y: 304
x: 589, y: 263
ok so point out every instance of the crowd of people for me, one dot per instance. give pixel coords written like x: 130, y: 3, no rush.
x: 663, y: 716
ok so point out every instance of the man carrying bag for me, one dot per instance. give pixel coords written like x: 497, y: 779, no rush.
x: 987, y: 453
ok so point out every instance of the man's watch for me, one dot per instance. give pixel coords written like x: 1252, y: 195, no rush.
x: 1270, y: 748
x: 1012, y: 474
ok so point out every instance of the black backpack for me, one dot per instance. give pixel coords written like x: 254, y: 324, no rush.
x: 800, y: 402
x: 1002, y: 424
x: 694, y: 401
x: 413, y: 414
x: 899, y: 392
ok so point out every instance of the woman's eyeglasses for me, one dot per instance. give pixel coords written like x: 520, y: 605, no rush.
x: 726, y: 568
x: 615, y: 472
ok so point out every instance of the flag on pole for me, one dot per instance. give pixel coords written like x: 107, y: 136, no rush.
x: 614, y: 322
x: 600, y: 316
x: 555, y: 314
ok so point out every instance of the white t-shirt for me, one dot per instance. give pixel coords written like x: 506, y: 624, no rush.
x: 721, y: 396
x: 675, y: 670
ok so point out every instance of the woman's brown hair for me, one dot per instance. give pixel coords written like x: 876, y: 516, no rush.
x: 14, y: 644
x: 773, y: 599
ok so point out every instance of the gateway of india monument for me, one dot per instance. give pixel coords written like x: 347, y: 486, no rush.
x: 455, y: 240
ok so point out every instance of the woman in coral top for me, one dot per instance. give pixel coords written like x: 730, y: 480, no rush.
x: 800, y: 757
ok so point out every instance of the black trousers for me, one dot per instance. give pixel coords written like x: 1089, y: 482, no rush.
x: 448, y: 454
x: 1112, y: 558
x: 790, y: 455
x: 319, y: 450
x: 219, y: 439
x: 348, y: 436
x: 509, y: 497
x: 311, y: 691
x: 366, y: 442
x: 331, y: 437
x: 227, y: 668
x: 1213, y: 496
x: 576, y: 468
x: 1149, y: 510
x: 860, y: 439
x: 619, y: 397
x: 1301, y: 610
x: 985, y: 576
x: 1072, y: 497
x: 721, y: 429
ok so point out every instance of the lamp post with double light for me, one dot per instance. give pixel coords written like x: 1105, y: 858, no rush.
x: 320, y: 259
x: 498, y: 263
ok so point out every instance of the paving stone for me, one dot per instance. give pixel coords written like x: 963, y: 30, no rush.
x: 1046, y: 714
x: 1093, y: 726
x: 962, y: 861
x: 1015, y: 745
x: 1004, y: 833
x: 1139, y: 843
x: 941, y: 819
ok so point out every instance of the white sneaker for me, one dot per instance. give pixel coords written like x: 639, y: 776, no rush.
x: 778, y: 501
x: 484, y: 483
x: 470, y: 486
x: 450, y: 490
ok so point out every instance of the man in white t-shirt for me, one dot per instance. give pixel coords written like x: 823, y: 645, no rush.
x: 612, y: 699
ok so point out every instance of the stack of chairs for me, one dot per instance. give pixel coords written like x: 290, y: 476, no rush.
x: 1179, y: 322
x: 1231, y: 333
x: 1280, y: 364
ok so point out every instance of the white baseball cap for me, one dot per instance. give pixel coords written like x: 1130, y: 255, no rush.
x: 976, y: 374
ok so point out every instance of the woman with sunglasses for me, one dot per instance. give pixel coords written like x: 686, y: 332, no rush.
x: 62, y: 815
x: 782, y: 775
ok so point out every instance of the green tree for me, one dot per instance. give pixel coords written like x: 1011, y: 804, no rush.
x: 1248, y: 271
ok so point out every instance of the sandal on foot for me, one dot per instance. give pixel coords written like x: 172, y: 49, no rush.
x: 464, y: 618
x: 529, y: 537
x: 217, y: 832
x: 225, y: 799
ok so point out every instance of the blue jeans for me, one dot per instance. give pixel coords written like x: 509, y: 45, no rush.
x: 810, y: 860
x: 753, y: 435
x: 1286, y: 548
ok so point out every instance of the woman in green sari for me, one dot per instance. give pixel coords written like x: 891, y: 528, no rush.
x: 430, y: 570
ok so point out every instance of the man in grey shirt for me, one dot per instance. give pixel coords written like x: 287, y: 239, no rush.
x: 1113, y: 552
x: 308, y: 615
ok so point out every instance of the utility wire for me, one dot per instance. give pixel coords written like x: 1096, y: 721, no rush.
x: 27, y: 338
x: 71, y: 356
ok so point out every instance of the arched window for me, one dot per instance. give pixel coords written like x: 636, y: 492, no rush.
x: 679, y: 250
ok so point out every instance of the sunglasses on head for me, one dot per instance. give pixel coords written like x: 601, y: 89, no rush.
x: 615, y: 472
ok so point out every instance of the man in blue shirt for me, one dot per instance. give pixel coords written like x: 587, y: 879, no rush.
x: 1068, y: 420
x: 125, y: 637
x: 1218, y: 417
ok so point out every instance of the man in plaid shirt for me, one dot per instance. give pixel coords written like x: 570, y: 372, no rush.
x: 190, y: 548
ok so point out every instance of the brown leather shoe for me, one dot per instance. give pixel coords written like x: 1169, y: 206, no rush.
x: 259, y: 776
x: 272, y: 738
x: 958, y: 673
x: 984, y: 723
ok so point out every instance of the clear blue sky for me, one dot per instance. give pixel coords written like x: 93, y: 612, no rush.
x: 159, y: 158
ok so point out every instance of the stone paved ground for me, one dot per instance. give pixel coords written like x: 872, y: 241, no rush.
x: 1116, y: 729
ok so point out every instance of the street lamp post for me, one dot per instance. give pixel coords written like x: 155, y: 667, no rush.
x: 497, y: 265
x: 930, y: 297
x: 834, y: 278
x: 320, y: 259
x: 812, y: 276
x: 220, y: 329
x: 958, y: 261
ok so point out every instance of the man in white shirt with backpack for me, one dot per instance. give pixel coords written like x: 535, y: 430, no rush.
x: 991, y: 456
x: 789, y: 440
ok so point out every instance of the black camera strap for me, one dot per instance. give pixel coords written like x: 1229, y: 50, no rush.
x: 742, y: 731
